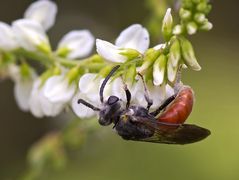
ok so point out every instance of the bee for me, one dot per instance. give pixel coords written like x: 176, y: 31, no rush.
x: 137, y: 123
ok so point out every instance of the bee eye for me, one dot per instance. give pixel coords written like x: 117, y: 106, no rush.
x: 112, y: 100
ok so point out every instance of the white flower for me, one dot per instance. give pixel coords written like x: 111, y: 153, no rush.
x: 58, y: 90
x: 7, y: 37
x: 34, y: 101
x: 43, y: 12
x: 39, y: 105
x: 78, y: 44
x: 89, y: 87
x: 30, y: 34
x: 22, y: 87
x: 135, y: 37
x: 81, y: 110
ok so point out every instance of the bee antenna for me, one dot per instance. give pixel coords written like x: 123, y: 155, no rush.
x: 102, y: 87
x: 81, y: 101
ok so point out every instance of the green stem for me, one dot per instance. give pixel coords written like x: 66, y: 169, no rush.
x: 48, y: 60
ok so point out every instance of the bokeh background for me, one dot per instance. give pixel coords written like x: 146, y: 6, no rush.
x: 107, y: 156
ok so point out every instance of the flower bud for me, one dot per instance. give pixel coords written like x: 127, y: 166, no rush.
x: 130, y: 53
x: 177, y: 30
x: 159, y: 70
x: 149, y: 58
x: 207, y: 26
x: 185, y: 14
x: 73, y: 74
x: 191, y: 28
x: 199, y: 18
x: 167, y: 25
x: 202, y: 7
x: 173, y: 60
x: 188, y: 55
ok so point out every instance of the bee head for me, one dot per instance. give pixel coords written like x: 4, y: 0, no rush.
x: 109, y: 111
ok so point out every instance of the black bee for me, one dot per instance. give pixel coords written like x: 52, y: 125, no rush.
x: 134, y: 122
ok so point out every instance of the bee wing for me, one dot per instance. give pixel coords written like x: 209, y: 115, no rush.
x: 173, y: 133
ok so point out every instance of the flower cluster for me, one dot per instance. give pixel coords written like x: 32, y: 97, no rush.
x: 193, y: 17
x: 70, y: 75
x: 49, y: 93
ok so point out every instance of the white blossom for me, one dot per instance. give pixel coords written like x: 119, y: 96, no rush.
x: 34, y: 101
x: 43, y: 12
x: 135, y: 37
x: 89, y: 86
x: 8, y: 39
x: 30, y: 34
x: 81, y: 110
x: 78, y: 44
x: 58, y: 90
x: 39, y: 105
x: 22, y: 90
x: 22, y: 86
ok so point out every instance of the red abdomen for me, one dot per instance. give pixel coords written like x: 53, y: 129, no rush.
x: 178, y: 111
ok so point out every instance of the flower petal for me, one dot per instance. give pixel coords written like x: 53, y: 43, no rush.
x: 58, y: 90
x: 118, y: 89
x: 49, y: 108
x: 88, y: 82
x: 22, y: 90
x: 134, y: 37
x: 8, y: 39
x: 34, y: 101
x: 78, y: 43
x: 109, y: 51
x: 159, y: 70
x: 79, y: 109
x: 43, y: 12
x: 30, y: 34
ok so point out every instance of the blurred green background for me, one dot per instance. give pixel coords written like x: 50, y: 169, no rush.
x: 105, y: 156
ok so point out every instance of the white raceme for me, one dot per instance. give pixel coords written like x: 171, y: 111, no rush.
x: 8, y: 39
x: 77, y: 44
x: 42, y: 11
x: 135, y: 37
x: 30, y: 35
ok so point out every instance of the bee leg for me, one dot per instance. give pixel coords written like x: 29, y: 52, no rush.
x: 128, y: 96
x: 81, y: 101
x: 146, y: 93
x: 164, y: 105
